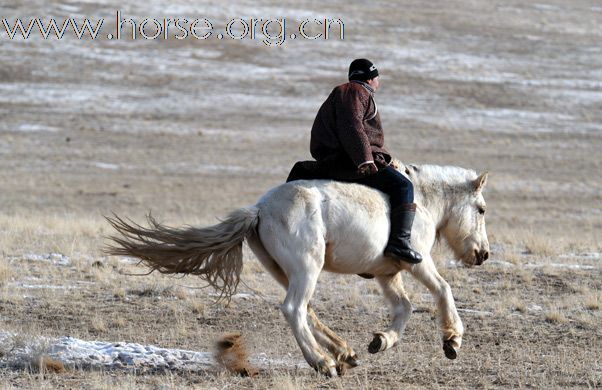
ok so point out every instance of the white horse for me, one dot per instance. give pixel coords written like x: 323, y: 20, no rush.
x: 301, y: 228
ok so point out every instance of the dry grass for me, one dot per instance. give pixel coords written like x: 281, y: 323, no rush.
x: 165, y: 311
x: 41, y: 233
x: 6, y: 271
x: 197, y: 306
x: 98, y: 325
x: 592, y: 302
x: 541, y: 245
x: 517, y: 304
x: 555, y: 315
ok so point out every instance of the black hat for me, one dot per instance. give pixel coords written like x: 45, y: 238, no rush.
x: 362, y: 69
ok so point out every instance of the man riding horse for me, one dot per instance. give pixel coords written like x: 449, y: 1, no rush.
x: 347, y: 142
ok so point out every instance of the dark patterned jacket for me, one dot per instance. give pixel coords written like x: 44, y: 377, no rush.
x: 347, y: 131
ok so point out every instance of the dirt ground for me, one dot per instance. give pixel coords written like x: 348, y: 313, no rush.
x: 193, y: 129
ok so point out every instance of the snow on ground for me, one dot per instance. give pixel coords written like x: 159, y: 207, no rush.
x: 53, y: 258
x: 102, y: 355
x: 507, y: 264
x: 467, y: 58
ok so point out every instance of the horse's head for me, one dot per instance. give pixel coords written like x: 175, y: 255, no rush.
x: 464, y: 227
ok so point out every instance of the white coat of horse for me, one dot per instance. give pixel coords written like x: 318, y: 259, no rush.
x: 301, y: 228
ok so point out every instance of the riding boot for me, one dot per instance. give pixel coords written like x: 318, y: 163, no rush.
x: 399, y: 245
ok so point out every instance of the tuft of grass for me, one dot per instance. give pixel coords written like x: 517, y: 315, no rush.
x: 197, y: 307
x: 354, y: 298
x: 526, y: 276
x: 153, y: 291
x: 119, y: 293
x: 554, y: 315
x: 6, y: 272
x: 518, y: 305
x: 592, y: 302
x: 98, y: 325
x: 180, y: 293
x: 513, y: 257
x: 119, y: 322
x: 540, y: 245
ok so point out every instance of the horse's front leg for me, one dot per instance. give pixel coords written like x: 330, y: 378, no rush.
x: 401, y: 308
x: 451, y: 324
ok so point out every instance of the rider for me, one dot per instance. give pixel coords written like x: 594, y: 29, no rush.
x: 347, y: 140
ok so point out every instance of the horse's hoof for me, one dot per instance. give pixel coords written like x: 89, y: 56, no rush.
x: 377, y: 344
x: 346, y: 364
x: 323, y: 367
x: 450, y: 351
x: 352, y: 361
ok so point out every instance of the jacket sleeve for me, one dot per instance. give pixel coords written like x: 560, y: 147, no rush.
x: 350, y: 109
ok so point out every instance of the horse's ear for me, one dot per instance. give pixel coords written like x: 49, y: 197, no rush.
x: 480, y: 182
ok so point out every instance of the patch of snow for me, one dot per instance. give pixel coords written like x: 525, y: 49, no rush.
x: 103, y: 165
x: 99, y: 354
x: 572, y: 266
x: 453, y: 264
x: 54, y: 258
x: 561, y: 265
x: 262, y: 360
x: 501, y: 263
x: 27, y: 127
x: 44, y: 286
x: 80, y: 354
x: 480, y: 312
x: 586, y: 255
x: 222, y: 168
x: 244, y: 296
x: 546, y: 7
x: 128, y: 260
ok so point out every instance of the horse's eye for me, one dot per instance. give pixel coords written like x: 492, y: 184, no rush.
x: 481, y: 210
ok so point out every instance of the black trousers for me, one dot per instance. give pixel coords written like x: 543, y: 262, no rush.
x: 388, y: 180
x: 392, y: 183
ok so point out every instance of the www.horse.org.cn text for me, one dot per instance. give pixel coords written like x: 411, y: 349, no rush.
x: 270, y: 31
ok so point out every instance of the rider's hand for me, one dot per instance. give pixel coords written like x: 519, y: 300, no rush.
x: 367, y: 169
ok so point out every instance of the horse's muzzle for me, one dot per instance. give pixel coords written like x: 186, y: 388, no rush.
x: 480, y: 256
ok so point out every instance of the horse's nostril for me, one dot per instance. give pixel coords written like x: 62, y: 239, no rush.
x: 486, y: 255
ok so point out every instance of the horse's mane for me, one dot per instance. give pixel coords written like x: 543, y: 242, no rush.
x: 437, y: 174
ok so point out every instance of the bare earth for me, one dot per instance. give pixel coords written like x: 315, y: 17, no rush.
x: 193, y: 129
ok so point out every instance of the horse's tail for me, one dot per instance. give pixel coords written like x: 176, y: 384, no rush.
x: 214, y: 253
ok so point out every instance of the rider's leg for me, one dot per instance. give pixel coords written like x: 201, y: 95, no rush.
x: 401, y: 197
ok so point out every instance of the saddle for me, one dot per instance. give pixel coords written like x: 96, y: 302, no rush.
x: 306, y: 170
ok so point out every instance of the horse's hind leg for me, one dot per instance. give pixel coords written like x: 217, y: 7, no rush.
x: 300, y: 290
x: 344, y: 355
x: 401, y: 307
x: 266, y: 260
x: 338, y: 347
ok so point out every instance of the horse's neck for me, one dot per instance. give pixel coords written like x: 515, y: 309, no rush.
x: 433, y: 200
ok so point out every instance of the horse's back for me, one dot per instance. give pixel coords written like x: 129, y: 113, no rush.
x: 335, y: 200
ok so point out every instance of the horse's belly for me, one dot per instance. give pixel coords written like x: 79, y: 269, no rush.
x: 358, y: 247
